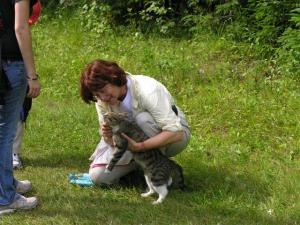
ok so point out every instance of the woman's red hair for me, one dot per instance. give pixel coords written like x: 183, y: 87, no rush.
x: 96, y: 75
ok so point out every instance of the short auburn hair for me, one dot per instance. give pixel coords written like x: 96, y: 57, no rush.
x: 97, y: 74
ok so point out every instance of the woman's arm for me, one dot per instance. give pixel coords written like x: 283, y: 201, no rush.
x: 159, y: 140
x: 157, y: 101
x: 23, y: 35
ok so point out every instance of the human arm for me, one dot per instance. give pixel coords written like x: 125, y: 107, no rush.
x: 161, y: 139
x: 23, y: 35
x: 157, y: 101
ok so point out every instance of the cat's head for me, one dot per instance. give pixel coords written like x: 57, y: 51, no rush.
x: 114, y: 118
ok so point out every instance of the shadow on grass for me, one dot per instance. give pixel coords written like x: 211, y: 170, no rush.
x: 107, y: 209
x: 75, y: 161
x: 217, y: 182
x: 218, y: 195
x: 209, y: 181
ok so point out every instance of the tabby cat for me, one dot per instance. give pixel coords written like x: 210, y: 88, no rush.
x: 158, y: 169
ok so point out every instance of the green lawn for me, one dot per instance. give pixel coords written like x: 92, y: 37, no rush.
x: 243, y: 159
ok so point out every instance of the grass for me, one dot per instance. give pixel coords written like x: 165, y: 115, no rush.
x: 243, y: 159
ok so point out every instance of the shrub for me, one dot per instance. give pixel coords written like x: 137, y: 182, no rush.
x: 271, y: 26
x: 289, y: 52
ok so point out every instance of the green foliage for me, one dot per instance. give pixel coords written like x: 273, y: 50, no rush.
x: 155, y: 13
x: 268, y: 25
x: 147, y: 15
x: 242, y: 162
x: 289, y: 53
x: 271, y: 19
x: 95, y: 17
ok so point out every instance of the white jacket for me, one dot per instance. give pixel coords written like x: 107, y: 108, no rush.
x: 147, y: 95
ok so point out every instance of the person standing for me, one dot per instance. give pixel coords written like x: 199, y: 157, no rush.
x: 17, y: 163
x: 19, y: 69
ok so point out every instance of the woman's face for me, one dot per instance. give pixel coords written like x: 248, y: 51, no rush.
x: 110, y: 93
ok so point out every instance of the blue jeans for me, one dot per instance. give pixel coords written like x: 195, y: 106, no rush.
x: 9, y: 116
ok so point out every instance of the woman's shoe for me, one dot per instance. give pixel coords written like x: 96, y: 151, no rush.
x: 20, y: 203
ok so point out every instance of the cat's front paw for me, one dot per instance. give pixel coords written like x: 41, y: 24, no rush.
x: 144, y: 195
x: 158, y: 201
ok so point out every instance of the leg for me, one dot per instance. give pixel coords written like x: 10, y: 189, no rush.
x: 99, y: 176
x: 162, y: 192
x: 17, y: 145
x: 151, y: 190
x: 9, y: 116
x: 146, y: 122
x: 177, y: 147
x: 18, y: 138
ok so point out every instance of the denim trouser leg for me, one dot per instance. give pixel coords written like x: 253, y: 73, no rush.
x: 9, y: 116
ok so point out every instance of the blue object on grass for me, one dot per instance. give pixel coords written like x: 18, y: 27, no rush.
x: 81, y: 179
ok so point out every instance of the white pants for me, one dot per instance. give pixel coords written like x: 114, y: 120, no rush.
x: 146, y: 122
x: 18, y: 138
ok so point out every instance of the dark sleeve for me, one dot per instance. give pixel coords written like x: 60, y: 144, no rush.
x: 32, y: 2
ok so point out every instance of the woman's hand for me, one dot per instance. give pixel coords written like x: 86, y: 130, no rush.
x: 34, y: 88
x: 106, y: 131
x: 133, y: 145
x: 159, y: 140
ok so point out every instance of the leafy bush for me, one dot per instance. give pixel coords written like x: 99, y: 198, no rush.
x: 95, y: 17
x: 146, y: 15
x: 268, y: 25
x: 289, y: 52
x: 272, y: 18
